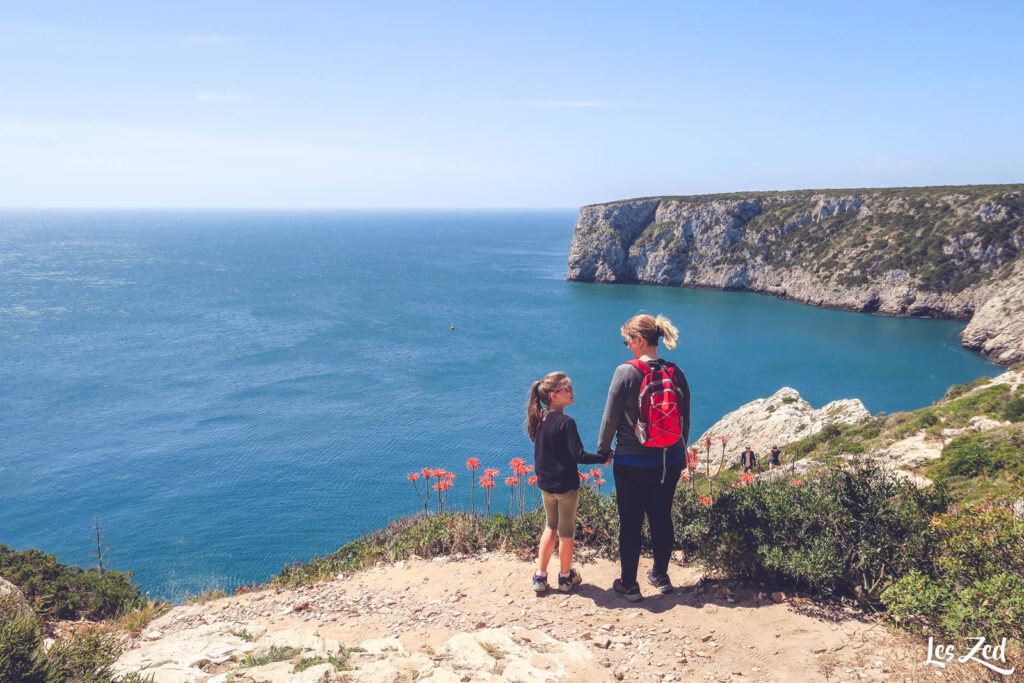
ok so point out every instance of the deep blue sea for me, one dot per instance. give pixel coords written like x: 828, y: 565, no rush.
x: 229, y: 392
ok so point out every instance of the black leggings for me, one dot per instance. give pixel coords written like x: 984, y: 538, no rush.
x: 639, y: 491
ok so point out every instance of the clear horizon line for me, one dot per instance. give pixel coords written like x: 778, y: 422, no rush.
x: 289, y: 208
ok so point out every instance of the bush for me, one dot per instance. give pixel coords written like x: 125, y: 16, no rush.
x: 989, y: 401
x: 19, y: 644
x: 1014, y: 410
x: 973, y: 586
x: 86, y: 657
x: 60, y: 591
x: 850, y: 531
x: 983, y: 454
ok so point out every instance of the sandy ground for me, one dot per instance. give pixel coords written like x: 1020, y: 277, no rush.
x: 702, y: 631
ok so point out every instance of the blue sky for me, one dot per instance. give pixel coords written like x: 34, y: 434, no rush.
x: 407, y: 105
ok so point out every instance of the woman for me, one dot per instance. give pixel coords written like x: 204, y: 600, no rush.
x: 645, y: 476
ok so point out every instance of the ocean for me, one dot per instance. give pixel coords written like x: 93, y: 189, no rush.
x: 228, y: 392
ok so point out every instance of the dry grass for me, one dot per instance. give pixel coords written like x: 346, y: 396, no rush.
x: 137, y: 619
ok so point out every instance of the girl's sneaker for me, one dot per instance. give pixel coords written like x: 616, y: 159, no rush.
x: 632, y: 593
x: 567, y: 583
x: 540, y: 582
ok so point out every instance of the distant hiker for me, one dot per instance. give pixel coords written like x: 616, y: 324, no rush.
x: 648, y: 413
x: 748, y: 459
x: 557, y: 449
x: 774, y: 458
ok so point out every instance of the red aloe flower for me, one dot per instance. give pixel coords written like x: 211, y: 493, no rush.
x: 471, y: 465
x: 747, y: 478
x: 796, y: 482
x: 705, y: 501
x: 492, y: 473
x: 414, y: 477
x: 487, y: 483
x: 532, y: 481
x: 511, y: 481
x: 583, y: 476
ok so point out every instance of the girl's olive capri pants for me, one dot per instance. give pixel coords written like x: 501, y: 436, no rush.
x: 561, y: 511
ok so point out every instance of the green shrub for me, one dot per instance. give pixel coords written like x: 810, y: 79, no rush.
x: 86, y: 657
x: 60, y: 591
x: 989, y: 401
x: 983, y: 454
x: 973, y: 585
x: 19, y: 645
x: 1014, y: 410
x: 274, y: 654
x: 846, y: 447
x: 958, y: 390
x: 849, y: 531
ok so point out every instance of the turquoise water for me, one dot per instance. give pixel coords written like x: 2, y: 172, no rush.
x: 229, y: 392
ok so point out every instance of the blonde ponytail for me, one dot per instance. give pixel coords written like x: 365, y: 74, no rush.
x: 667, y: 330
x: 651, y: 329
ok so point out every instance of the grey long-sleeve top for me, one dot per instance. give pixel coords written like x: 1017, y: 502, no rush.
x: 622, y: 400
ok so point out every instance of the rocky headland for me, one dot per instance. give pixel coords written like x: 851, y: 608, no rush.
x: 949, y: 252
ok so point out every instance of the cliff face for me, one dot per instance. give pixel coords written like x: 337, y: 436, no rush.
x: 940, y: 251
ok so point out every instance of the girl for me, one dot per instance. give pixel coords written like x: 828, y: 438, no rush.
x: 557, y: 450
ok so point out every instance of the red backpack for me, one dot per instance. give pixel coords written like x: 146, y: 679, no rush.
x: 659, y: 424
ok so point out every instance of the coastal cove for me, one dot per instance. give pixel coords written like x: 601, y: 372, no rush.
x: 232, y: 391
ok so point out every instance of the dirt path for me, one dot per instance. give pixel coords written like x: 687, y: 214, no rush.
x: 699, y: 632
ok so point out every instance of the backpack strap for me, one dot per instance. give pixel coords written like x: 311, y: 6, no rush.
x: 641, y: 366
x: 644, y: 370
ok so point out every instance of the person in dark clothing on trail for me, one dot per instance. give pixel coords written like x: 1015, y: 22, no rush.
x: 774, y: 458
x: 645, y: 477
x: 557, y: 449
x: 748, y: 459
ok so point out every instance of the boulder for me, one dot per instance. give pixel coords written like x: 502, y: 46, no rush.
x: 11, y: 593
x: 782, y: 418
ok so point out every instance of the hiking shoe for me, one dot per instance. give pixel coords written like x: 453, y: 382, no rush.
x: 540, y: 583
x: 659, y: 581
x: 567, y: 583
x: 632, y: 593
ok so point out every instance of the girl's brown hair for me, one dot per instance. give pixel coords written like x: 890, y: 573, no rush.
x: 540, y: 397
x: 651, y: 329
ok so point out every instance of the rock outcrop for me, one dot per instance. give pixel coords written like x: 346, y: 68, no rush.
x: 12, y: 597
x: 997, y: 328
x: 949, y: 252
x: 782, y: 418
